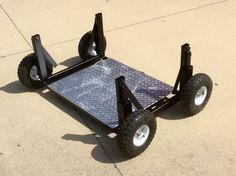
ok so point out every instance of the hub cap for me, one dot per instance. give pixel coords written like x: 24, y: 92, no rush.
x: 92, y: 50
x: 201, y: 95
x: 141, y: 135
x: 34, y: 73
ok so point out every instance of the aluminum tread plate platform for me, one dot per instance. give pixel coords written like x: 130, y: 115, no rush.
x: 93, y: 89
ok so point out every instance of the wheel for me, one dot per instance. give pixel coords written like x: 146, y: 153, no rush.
x: 85, y: 51
x: 196, y: 93
x: 137, y: 132
x: 28, y: 72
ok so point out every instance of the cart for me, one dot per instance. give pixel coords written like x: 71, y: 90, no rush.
x: 124, y: 99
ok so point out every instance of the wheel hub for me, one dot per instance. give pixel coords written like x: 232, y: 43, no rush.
x: 92, y: 50
x: 141, y: 135
x: 34, y: 73
x: 201, y: 95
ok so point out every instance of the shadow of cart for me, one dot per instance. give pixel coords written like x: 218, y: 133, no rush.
x: 104, y: 137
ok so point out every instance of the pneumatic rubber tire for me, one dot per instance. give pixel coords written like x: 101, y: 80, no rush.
x: 196, y: 93
x: 128, y: 132
x: 83, y: 47
x: 24, y: 69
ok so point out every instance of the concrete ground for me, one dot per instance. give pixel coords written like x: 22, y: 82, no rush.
x: 42, y: 135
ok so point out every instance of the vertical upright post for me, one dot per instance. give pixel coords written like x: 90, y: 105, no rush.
x: 38, y: 50
x: 186, y: 69
x: 124, y: 106
x: 98, y: 34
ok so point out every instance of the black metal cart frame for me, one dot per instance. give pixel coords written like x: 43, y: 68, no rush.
x: 125, y: 98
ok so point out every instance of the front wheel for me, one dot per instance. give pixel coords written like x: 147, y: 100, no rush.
x: 196, y: 93
x: 28, y: 72
x: 136, y: 133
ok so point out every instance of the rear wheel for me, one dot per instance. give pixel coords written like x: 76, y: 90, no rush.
x: 28, y: 72
x: 137, y: 132
x: 196, y: 93
x: 85, y: 50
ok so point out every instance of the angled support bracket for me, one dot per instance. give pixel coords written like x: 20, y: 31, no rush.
x: 185, y: 71
x: 125, y: 99
x: 43, y: 57
x: 98, y: 35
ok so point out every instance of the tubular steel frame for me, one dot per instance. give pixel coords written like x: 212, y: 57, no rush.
x: 125, y: 98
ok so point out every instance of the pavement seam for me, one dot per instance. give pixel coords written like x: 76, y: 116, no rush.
x: 13, y: 23
x: 168, y: 15
x: 148, y: 20
x: 12, y: 54
x: 108, y: 155
x: 103, y: 147
x: 115, y: 29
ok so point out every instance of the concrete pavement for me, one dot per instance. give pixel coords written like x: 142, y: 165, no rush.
x: 42, y: 135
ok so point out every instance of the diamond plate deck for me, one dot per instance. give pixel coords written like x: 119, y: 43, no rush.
x: 93, y: 89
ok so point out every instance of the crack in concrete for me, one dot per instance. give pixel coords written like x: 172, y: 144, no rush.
x: 12, y: 54
x: 148, y: 20
x: 168, y: 15
x: 112, y: 30
x: 103, y: 147
x: 14, y: 24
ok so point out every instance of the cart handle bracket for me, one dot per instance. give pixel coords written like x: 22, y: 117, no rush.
x: 185, y: 71
x: 43, y: 57
x: 125, y: 99
x: 98, y: 35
